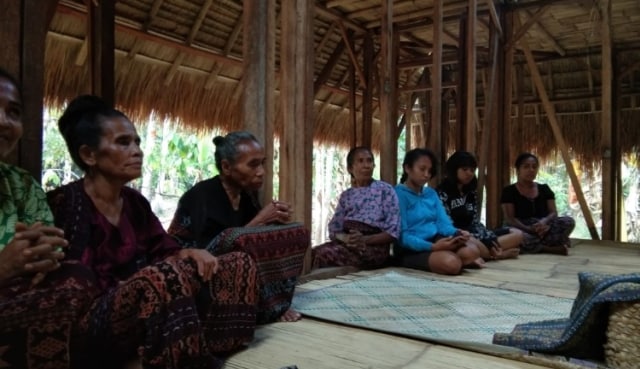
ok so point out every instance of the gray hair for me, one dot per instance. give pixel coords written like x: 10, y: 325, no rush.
x: 227, y: 146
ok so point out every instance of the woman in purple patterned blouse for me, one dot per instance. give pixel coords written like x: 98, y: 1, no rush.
x: 366, y: 220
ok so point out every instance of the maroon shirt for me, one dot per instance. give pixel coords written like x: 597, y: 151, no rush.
x: 113, y: 252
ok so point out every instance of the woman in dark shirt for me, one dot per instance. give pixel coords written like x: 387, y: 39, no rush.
x: 169, y: 306
x: 228, y: 203
x: 531, y: 207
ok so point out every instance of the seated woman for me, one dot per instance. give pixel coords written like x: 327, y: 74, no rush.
x: 228, y: 203
x: 428, y: 240
x: 172, y: 307
x: 531, y: 207
x: 366, y: 220
x: 459, y: 197
x: 39, y: 299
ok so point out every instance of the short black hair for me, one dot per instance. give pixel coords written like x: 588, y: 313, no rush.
x: 524, y: 156
x: 413, y: 155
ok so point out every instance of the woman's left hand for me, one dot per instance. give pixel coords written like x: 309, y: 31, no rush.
x: 206, y: 262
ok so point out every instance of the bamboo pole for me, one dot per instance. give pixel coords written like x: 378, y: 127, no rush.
x: 553, y: 121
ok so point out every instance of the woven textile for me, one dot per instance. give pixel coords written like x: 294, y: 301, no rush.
x: 428, y: 308
x: 278, y: 251
x: 582, y: 333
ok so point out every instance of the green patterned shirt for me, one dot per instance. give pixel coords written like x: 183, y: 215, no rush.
x: 21, y: 200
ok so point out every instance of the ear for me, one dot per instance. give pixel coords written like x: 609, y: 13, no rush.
x: 87, y: 155
x: 225, y: 166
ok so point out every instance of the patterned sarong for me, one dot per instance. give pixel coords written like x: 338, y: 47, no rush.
x: 278, y: 251
x: 334, y: 253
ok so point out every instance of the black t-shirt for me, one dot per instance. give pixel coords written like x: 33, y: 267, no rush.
x: 525, y: 207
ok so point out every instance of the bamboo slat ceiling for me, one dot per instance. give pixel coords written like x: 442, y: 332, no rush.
x: 183, y: 58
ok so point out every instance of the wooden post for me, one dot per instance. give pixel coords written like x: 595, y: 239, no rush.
x: 606, y: 145
x: 23, y: 29
x: 296, y: 146
x: 470, y: 74
x: 461, y: 93
x: 553, y: 121
x: 102, y: 20
x: 434, y: 141
x: 258, y: 48
x: 503, y: 130
x: 486, y: 168
x: 368, y: 62
x: 388, y: 95
x: 355, y: 140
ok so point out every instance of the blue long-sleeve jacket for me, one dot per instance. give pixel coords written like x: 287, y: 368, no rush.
x: 422, y: 217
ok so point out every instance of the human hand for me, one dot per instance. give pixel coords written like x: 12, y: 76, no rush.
x: 451, y: 243
x: 33, y: 249
x: 540, y: 229
x: 206, y: 263
x: 464, y: 235
x: 275, y: 212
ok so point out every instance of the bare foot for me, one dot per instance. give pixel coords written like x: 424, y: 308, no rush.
x: 476, y: 264
x: 290, y: 316
x: 509, y: 254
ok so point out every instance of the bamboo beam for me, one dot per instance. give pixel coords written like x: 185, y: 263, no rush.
x: 461, y: 101
x: 23, y: 30
x: 470, y: 75
x: 606, y: 144
x: 556, y: 46
x: 348, y: 41
x: 336, y: 16
x: 296, y: 145
x: 494, y: 16
x: 137, y: 44
x: 435, y: 134
x: 388, y: 97
x: 325, y: 73
x: 258, y: 80
x: 325, y: 39
x: 526, y: 26
x: 102, y: 49
x: 225, y: 52
x: 404, y: 122
x: 353, y: 109
x: 454, y: 7
x: 555, y: 127
x: 503, y: 131
x: 368, y: 62
x: 489, y: 117
x: 120, y: 26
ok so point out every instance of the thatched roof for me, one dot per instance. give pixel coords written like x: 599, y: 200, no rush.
x: 169, y: 64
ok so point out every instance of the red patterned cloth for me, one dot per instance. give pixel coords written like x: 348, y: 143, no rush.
x: 334, y: 253
x: 279, y: 251
x: 38, y: 322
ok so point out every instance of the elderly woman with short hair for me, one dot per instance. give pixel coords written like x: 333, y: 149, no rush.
x: 222, y: 212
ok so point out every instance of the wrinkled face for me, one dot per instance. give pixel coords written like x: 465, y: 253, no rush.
x: 420, y: 172
x: 465, y: 175
x: 118, y: 155
x: 528, y: 169
x: 10, y: 116
x: 362, y: 167
x: 247, y: 172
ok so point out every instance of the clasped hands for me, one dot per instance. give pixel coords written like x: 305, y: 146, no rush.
x: 34, y: 249
x: 353, y: 240
x: 275, y: 212
x: 540, y: 228
x: 452, y: 243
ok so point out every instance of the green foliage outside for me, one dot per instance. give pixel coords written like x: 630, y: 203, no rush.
x: 176, y: 159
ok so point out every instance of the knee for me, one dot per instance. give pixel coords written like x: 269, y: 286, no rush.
x: 448, y: 264
x: 469, y: 252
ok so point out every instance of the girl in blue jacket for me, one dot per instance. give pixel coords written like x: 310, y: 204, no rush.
x: 428, y: 240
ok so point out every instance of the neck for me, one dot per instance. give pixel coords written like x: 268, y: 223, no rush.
x: 525, y: 183
x: 233, y: 191
x: 362, y: 182
x: 413, y: 186
x: 100, y: 188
